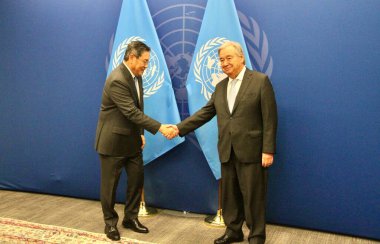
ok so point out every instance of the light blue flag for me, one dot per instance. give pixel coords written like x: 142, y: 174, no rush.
x: 220, y: 23
x: 136, y: 24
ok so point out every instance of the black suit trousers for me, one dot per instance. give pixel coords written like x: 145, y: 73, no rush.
x: 244, y: 187
x: 111, y: 168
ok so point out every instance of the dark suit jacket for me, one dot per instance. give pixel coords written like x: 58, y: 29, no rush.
x: 251, y: 127
x: 121, y: 118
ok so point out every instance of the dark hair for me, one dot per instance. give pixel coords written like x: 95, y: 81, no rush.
x: 136, y: 48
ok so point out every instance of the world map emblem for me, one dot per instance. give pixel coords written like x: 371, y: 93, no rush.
x: 153, y: 77
x: 207, y: 70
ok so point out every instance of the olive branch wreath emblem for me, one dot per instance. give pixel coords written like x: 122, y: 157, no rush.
x: 206, y: 48
x: 120, y: 52
x: 257, y: 44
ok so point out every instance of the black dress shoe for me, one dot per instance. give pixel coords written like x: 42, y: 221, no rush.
x: 112, y: 232
x: 226, y: 239
x: 135, y: 225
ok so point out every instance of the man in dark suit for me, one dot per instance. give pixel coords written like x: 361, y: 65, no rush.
x: 245, y: 106
x: 120, y: 138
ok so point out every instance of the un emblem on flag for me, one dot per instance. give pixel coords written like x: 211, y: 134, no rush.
x: 153, y: 77
x: 207, y: 69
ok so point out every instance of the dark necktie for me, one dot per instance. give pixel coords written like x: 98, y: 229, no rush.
x: 137, y: 87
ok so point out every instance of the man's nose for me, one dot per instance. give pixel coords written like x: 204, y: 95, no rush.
x: 223, y: 63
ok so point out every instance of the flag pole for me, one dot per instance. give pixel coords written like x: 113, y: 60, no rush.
x: 145, y: 211
x: 217, y: 220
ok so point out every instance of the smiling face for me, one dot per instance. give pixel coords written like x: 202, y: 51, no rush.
x: 138, y: 64
x: 231, y: 61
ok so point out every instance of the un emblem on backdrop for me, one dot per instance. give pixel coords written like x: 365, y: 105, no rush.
x: 178, y: 50
x: 207, y: 69
x: 257, y: 44
x: 153, y: 77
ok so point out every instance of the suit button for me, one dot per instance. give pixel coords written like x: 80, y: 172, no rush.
x: 230, y: 117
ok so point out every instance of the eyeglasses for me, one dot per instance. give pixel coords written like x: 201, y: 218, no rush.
x: 145, y: 61
x: 228, y: 59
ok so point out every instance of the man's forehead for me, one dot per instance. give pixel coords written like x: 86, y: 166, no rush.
x: 227, y: 54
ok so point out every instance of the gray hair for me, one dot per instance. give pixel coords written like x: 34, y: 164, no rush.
x: 235, y: 45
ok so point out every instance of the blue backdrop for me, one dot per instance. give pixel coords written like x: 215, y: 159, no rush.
x: 322, y: 57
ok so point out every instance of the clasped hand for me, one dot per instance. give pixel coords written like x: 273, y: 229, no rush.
x: 169, y: 131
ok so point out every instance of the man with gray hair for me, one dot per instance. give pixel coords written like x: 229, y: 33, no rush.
x: 246, y: 111
x: 120, y: 138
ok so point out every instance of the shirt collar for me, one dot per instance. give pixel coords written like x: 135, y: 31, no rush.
x: 130, y: 71
x: 240, y: 75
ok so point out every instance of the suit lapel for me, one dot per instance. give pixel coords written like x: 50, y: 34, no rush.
x: 243, y: 88
x: 224, y: 84
x: 131, y: 83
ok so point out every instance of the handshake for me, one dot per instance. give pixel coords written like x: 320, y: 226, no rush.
x: 169, y: 131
